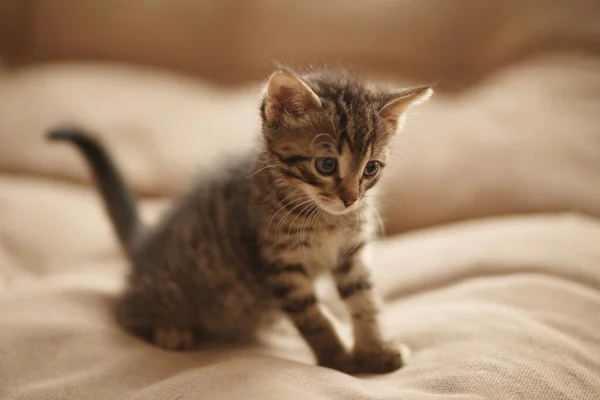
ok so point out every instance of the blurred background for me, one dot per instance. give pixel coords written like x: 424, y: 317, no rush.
x: 235, y: 41
x: 172, y: 84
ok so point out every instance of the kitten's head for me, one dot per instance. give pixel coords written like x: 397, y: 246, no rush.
x: 329, y: 133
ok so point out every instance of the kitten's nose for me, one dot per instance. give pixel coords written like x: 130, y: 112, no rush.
x: 348, y: 197
x: 348, y: 202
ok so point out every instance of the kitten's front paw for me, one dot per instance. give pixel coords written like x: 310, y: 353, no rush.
x: 342, y: 361
x: 171, y: 338
x: 385, y: 358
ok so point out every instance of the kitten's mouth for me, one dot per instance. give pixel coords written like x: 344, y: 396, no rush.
x: 336, y: 208
x: 331, y: 204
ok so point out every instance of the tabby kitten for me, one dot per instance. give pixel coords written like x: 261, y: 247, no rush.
x: 248, y: 240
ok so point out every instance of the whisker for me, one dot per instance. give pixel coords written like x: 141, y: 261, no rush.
x: 262, y: 169
x: 313, y: 220
x: 300, y: 234
x: 407, y: 159
x: 382, y: 235
x: 294, y: 221
x: 360, y: 217
x: 383, y: 198
x: 398, y: 160
x: 283, y: 208
x: 306, y: 221
x: 290, y: 199
x: 412, y: 151
x: 316, y: 211
x: 289, y: 212
x: 282, y: 184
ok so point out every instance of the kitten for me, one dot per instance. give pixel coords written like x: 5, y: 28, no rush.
x: 249, y: 238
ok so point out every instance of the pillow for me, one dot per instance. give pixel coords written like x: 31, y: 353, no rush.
x: 525, y: 140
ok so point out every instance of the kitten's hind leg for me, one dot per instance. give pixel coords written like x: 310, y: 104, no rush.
x: 173, y: 338
x: 166, y: 334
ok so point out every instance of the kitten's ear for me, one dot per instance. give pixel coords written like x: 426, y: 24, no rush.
x: 400, y: 101
x: 287, y: 93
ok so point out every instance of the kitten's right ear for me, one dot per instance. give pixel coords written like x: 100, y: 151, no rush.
x: 288, y: 94
x: 402, y: 100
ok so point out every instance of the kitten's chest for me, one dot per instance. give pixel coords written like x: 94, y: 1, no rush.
x: 323, y: 251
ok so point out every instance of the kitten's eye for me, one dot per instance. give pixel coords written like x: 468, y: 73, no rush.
x: 326, y: 165
x: 371, y: 168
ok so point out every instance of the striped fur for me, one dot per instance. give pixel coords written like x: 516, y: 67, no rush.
x: 245, y: 242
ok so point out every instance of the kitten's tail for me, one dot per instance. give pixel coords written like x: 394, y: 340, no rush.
x: 118, y: 200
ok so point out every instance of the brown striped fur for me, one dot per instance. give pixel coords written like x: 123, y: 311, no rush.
x: 247, y: 241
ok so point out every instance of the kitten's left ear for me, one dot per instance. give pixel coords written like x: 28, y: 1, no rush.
x: 402, y: 100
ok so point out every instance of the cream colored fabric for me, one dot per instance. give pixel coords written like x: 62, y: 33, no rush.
x: 505, y: 308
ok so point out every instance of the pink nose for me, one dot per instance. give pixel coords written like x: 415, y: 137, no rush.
x: 348, y: 198
x: 348, y: 203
